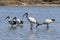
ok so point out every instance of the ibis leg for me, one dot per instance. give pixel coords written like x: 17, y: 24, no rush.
x: 47, y: 26
x: 31, y: 26
x: 12, y: 26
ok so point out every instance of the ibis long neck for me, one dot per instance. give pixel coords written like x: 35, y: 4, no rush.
x: 27, y: 16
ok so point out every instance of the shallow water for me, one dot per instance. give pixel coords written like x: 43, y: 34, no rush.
x: 38, y: 12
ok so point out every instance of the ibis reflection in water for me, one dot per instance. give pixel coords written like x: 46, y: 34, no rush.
x: 31, y: 20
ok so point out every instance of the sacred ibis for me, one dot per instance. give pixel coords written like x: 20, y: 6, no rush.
x: 11, y: 22
x: 32, y: 20
x: 48, y: 21
x: 18, y: 21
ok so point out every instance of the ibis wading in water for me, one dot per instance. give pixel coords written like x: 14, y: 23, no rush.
x: 18, y: 21
x: 11, y: 22
x: 48, y: 21
x: 32, y: 20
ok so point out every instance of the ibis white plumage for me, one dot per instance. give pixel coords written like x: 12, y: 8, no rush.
x: 11, y: 22
x: 48, y: 21
x: 18, y: 21
x: 32, y: 20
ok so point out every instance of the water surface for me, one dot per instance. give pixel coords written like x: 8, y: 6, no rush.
x: 40, y: 13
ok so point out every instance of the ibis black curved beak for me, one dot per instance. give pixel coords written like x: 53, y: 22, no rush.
x: 23, y: 15
x: 5, y: 18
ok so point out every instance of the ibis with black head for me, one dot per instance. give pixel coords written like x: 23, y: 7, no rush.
x: 18, y: 21
x: 31, y: 20
x: 10, y: 21
x: 48, y: 21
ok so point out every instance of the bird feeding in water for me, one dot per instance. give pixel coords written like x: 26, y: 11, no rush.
x: 48, y: 21
x: 32, y: 20
x: 18, y: 21
x: 10, y: 21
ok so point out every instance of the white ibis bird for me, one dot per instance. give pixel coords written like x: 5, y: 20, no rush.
x: 32, y: 20
x: 18, y: 21
x: 48, y: 21
x: 11, y: 22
